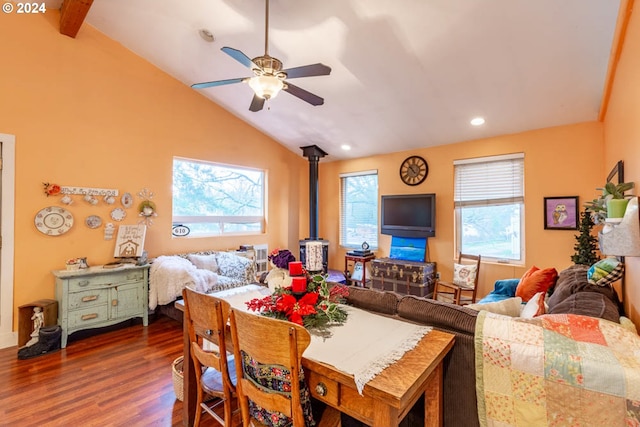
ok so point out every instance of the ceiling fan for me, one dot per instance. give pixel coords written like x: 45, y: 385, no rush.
x: 269, y: 77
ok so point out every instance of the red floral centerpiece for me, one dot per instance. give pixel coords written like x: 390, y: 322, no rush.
x: 317, y: 308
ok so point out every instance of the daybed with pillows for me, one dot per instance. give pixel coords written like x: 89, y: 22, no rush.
x: 206, y: 272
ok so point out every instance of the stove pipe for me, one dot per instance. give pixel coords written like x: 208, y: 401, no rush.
x: 314, y: 154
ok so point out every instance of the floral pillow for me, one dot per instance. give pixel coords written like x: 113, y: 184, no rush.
x: 236, y: 267
x: 278, y: 379
x: 465, y: 275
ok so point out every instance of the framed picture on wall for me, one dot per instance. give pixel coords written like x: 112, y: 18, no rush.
x: 561, y: 213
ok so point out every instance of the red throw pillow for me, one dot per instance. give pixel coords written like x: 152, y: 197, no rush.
x: 536, y: 280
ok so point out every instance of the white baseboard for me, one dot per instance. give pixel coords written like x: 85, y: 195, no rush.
x: 8, y: 339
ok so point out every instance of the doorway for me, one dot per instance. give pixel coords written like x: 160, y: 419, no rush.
x: 7, y: 202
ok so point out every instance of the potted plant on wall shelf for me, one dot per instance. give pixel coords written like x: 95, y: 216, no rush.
x: 612, y: 203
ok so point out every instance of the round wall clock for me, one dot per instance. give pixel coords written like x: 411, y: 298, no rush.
x: 414, y: 170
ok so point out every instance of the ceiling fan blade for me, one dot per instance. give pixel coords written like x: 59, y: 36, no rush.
x: 308, y: 71
x: 217, y: 83
x: 303, y: 94
x: 256, y: 103
x: 240, y: 57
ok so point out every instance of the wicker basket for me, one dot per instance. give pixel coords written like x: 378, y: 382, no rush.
x: 178, y: 379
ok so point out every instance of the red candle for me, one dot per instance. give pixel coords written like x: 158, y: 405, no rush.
x: 295, y: 268
x: 299, y: 284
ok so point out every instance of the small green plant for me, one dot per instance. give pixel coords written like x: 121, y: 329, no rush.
x: 586, y: 243
x: 598, y: 207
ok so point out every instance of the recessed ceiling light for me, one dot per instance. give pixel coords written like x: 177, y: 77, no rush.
x: 477, y: 121
x: 206, y: 35
x: 345, y: 147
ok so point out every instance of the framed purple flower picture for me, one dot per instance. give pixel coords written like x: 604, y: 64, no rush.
x: 561, y: 213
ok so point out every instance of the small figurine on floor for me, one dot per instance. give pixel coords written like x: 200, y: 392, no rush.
x: 38, y: 322
x: 279, y: 274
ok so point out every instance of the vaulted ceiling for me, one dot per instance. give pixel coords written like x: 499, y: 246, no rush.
x: 405, y: 74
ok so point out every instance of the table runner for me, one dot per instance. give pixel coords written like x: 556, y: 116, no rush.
x: 363, y: 346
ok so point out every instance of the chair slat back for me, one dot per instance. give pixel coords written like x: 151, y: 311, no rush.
x: 206, y: 317
x: 268, y: 341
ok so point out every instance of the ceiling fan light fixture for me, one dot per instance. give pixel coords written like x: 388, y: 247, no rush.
x: 266, y: 87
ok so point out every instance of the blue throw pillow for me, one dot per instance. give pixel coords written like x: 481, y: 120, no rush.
x: 506, y: 287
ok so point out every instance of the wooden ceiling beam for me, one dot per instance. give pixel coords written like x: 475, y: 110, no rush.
x: 72, y: 14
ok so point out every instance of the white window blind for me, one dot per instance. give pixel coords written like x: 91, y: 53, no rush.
x: 489, y: 180
x: 489, y: 207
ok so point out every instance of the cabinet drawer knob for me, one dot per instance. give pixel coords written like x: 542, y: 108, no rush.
x: 114, y: 302
x: 321, y: 389
x: 89, y: 316
x: 89, y: 298
x: 83, y: 283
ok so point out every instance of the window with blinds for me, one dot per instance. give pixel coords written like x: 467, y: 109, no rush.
x: 359, y: 209
x: 489, y: 207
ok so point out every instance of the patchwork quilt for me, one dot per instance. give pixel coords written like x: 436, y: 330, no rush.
x: 556, y: 370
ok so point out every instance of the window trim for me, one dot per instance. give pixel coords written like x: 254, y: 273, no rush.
x: 341, y: 239
x: 518, y: 199
x: 221, y: 220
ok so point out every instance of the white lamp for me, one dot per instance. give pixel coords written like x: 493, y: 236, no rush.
x: 266, y: 86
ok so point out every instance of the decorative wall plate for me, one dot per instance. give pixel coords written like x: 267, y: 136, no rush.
x: 93, y: 221
x: 118, y: 214
x: 127, y: 200
x: 54, y: 221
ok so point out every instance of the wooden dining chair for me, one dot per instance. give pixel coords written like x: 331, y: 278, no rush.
x: 268, y: 354
x: 464, y: 286
x: 206, y: 318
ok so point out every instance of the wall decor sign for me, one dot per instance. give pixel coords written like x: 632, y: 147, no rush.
x: 561, y: 213
x: 89, y: 191
x: 130, y: 241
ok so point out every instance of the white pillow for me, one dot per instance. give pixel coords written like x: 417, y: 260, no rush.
x: 206, y: 262
x: 464, y: 275
x: 508, y: 307
x: 534, y: 307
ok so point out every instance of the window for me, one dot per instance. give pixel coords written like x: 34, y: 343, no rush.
x: 359, y: 209
x: 489, y: 207
x: 215, y: 199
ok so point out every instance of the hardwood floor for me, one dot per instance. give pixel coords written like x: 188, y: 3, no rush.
x: 117, y: 378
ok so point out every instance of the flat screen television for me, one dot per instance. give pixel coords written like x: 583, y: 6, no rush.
x: 408, y: 215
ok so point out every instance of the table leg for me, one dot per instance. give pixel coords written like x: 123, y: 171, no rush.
x: 189, y: 381
x: 433, y: 402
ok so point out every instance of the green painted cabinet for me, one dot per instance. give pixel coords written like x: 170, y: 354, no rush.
x: 98, y: 296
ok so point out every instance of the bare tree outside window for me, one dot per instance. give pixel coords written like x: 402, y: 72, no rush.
x: 213, y: 199
x: 359, y: 210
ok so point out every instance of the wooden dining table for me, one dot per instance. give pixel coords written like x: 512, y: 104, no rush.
x: 385, y: 399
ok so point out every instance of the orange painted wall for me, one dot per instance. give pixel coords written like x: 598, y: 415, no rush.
x: 88, y: 112
x: 559, y: 161
x: 622, y: 141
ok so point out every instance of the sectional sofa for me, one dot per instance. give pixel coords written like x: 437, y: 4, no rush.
x: 572, y: 296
